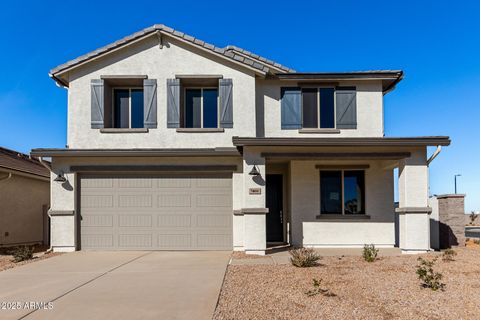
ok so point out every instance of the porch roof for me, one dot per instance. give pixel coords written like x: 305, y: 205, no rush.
x: 344, y: 142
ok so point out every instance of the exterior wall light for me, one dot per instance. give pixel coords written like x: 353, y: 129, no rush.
x: 60, y: 178
x: 254, y: 172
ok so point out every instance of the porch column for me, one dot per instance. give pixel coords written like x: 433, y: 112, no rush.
x: 254, y: 211
x: 414, y: 213
x: 62, y: 209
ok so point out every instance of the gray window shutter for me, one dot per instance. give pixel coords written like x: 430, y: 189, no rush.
x: 97, y: 103
x: 150, y: 103
x: 173, y: 103
x: 346, y: 103
x: 291, y: 108
x: 226, y: 103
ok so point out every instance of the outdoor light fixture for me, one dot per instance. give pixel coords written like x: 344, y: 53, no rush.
x: 254, y: 172
x: 60, y: 178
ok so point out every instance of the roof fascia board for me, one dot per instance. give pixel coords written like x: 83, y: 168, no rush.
x: 231, y: 152
x: 88, y: 60
x: 407, y: 141
x: 24, y: 174
x: 56, y: 75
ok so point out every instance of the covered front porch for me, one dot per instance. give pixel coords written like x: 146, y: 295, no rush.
x: 334, y: 193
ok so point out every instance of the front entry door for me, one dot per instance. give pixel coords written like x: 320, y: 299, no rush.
x: 274, y: 195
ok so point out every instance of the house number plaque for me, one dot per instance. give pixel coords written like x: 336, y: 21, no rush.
x: 255, y: 191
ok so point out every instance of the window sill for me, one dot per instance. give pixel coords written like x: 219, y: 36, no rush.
x: 318, y: 131
x: 200, y: 130
x: 124, y: 130
x: 342, y: 217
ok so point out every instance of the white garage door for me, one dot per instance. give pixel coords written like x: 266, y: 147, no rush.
x: 168, y: 212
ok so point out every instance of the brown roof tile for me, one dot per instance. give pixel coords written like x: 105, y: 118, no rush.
x: 13, y: 160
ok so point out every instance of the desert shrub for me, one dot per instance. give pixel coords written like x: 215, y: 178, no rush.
x: 317, y: 289
x: 369, y: 252
x: 430, y: 279
x: 304, y: 257
x: 449, y: 255
x: 473, y: 217
x: 476, y: 241
x: 22, y: 253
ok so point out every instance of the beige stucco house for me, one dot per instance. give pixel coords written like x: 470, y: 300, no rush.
x: 176, y: 144
x: 24, y: 199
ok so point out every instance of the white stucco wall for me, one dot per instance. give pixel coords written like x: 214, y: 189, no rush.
x: 369, y: 109
x: 146, y: 58
x: 305, y: 206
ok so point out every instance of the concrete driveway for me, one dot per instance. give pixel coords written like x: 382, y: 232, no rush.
x: 116, y: 285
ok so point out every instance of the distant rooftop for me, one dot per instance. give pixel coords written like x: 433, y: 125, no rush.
x: 17, y: 161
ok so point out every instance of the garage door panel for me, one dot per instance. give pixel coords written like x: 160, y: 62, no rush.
x: 135, y: 220
x: 175, y: 241
x: 97, y: 241
x: 174, y: 200
x: 97, y: 220
x: 135, y: 240
x: 97, y: 201
x: 135, y: 183
x: 174, y: 220
x: 156, y: 213
x: 135, y: 201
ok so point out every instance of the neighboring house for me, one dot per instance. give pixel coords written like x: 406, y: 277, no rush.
x: 175, y: 144
x: 24, y: 199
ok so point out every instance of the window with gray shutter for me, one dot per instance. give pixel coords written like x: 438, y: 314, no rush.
x: 226, y: 103
x: 291, y: 108
x: 97, y: 103
x: 346, y: 103
x: 173, y: 103
x: 150, y: 103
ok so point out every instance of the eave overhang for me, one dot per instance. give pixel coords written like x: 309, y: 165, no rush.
x: 389, y: 78
x: 343, y: 142
x: 206, y: 152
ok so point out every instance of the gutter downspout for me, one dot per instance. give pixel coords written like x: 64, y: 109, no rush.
x: 7, y: 177
x: 434, y: 155
x: 46, y: 165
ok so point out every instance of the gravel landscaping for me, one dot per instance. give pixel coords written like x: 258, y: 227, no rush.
x: 385, y: 289
x: 6, y: 259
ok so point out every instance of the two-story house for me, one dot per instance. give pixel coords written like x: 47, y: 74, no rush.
x: 176, y: 144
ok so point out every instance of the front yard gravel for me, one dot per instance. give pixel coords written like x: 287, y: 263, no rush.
x: 385, y: 289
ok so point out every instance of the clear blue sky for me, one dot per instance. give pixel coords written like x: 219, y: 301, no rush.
x: 436, y: 43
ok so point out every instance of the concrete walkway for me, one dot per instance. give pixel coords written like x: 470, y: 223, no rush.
x: 117, y: 285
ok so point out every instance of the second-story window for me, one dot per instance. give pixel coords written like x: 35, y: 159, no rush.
x: 127, y: 107
x: 318, y: 108
x: 200, y: 109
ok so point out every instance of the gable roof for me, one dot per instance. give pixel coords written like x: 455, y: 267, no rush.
x: 260, y: 65
x: 231, y: 53
x: 17, y: 161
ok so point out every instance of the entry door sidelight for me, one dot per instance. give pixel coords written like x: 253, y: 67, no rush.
x: 274, y: 200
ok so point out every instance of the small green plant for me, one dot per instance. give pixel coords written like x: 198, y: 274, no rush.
x: 369, y: 252
x: 430, y: 278
x: 304, y: 257
x: 22, y: 253
x: 317, y: 289
x: 449, y: 255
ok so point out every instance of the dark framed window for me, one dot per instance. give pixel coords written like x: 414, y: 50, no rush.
x: 318, y: 108
x: 128, y: 108
x: 342, y: 192
x: 200, y: 108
